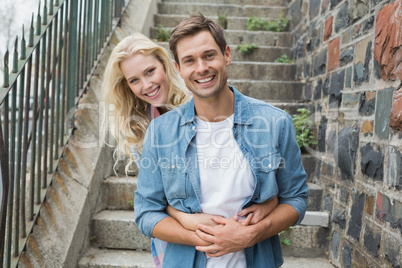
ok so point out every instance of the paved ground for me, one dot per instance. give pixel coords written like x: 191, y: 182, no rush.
x: 292, y: 262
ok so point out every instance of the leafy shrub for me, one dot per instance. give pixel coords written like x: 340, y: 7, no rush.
x: 284, y: 59
x: 162, y: 34
x: 246, y: 48
x: 303, y: 126
x: 258, y: 24
x: 223, y: 21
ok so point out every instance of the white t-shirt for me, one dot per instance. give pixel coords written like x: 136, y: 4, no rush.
x: 225, y: 176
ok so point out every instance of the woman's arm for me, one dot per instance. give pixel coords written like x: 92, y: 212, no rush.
x: 191, y: 221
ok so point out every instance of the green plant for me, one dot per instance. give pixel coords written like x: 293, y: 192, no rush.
x: 284, y: 241
x: 247, y: 48
x: 303, y: 126
x: 162, y: 34
x: 284, y: 59
x: 130, y: 202
x: 258, y: 24
x: 223, y: 21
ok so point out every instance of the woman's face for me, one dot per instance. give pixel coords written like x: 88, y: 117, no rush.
x: 146, y: 78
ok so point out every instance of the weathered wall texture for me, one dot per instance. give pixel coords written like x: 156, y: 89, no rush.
x: 349, y: 52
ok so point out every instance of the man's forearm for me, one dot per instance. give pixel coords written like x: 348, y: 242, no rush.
x: 170, y: 230
x: 281, y: 218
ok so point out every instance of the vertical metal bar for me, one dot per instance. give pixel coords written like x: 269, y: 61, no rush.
x: 79, y: 76
x: 5, y: 193
x: 5, y: 174
x: 59, y: 82
x: 89, y: 37
x: 46, y: 103
x: 102, y: 13
x: 96, y: 30
x: 12, y: 148
x: 85, y: 43
x: 53, y: 99
x: 10, y: 185
x: 65, y: 74
x: 72, y: 57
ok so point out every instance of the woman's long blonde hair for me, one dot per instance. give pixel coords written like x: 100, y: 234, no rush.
x: 126, y: 116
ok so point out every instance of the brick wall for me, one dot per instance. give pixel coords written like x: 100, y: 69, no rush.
x: 349, y: 53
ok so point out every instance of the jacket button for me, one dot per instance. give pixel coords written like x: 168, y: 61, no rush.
x: 173, y: 166
x: 269, y: 166
x: 193, y: 128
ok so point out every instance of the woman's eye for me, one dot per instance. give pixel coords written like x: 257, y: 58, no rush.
x: 132, y: 81
x: 150, y: 71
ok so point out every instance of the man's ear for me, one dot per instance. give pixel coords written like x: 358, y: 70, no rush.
x: 228, y: 56
x: 177, y: 66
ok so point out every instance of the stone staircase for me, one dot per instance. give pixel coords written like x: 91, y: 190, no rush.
x: 115, y: 239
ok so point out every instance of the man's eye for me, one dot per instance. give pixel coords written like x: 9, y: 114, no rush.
x: 188, y: 61
x: 210, y: 55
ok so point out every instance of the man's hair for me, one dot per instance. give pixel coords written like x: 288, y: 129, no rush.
x: 192, y: 26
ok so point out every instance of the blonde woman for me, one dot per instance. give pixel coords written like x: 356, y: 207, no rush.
x: 140, y: 83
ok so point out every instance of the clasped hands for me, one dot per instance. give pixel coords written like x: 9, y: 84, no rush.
x: 219, y: 235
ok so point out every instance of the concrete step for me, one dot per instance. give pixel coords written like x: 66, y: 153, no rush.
x: 107, y: 258
x: 262, y: 71
x: 120, y: 192
x: 232, y: 22
x: 290, y: 107
x: 306, y: 241
x: 117, y: 229
x: 213, y: 9
x: 272, y: 90
x: 260, y: 53
x: 236, y: 2
x: 271, y: 39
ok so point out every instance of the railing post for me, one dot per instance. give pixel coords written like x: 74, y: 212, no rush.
x: 72, y: 56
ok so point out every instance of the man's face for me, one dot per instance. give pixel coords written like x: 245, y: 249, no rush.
x: 202, y: 65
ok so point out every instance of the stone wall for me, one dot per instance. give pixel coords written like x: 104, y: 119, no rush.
x: 349, y: 53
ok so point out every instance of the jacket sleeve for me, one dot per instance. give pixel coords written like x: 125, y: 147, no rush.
x: 291, y: 177
x: 149, y: 201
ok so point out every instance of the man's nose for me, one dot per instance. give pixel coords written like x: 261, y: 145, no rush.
x: 202, y: 66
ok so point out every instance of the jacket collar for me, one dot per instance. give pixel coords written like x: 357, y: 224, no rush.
x: 241, y: 111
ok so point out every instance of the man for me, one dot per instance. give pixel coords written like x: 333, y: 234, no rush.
x: 217, y: 154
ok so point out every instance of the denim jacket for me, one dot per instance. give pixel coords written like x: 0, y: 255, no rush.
x: 169, y: 173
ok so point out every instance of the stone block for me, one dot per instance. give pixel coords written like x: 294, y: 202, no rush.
x: 331, y: 141
x: 339, y: 218
x: 322, y: 130
x: 394, y: 177
x: 396, y: 114
x: 369, y: 205
x: 372, y: 162
x: 393, y: 250
x: 346, y: 56
x: 382, y: 113
x: 359, y: 260
x: 335, y: 90
x: 314, y: 8
x: 333, y: 54
x: 344, y: 195
x: 328, y: 28
x: 325, y: 87
x: 367, y: 128
x: 334, y: 3
x: 316, y: 218
x: 327, y: 169
x: 315, y: 197
x: 347, y: 256
x: 348, y: 77
x: 307, y: 91
x: 317, y: 90
x: 372, y: 240
x: 356, y: 215
x: 362, y: 60
x: 388, y: 43
x: 367, y: 103
x: 320, y: 63
x: 345, y: 152
x: 341, y: 20
x: 389, y: 210
x: 328, y: 202
x: 309, y: 164
x: 335, y: 244
x: 357, y: 10
x: 350, y: 100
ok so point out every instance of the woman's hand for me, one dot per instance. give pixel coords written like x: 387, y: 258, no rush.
x: 191, y: 221
x: 260, y: 211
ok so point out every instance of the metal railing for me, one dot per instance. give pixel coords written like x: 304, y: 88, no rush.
x: 47, y: 78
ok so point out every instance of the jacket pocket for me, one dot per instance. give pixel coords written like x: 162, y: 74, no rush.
x: 175, y: 180
x: 269, y: 162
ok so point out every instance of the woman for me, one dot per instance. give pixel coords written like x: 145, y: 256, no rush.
x: 140, y: 83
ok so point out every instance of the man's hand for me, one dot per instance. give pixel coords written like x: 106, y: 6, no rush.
x: 260, y: 211
x: 229, y: 236
x: 191, y: 221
